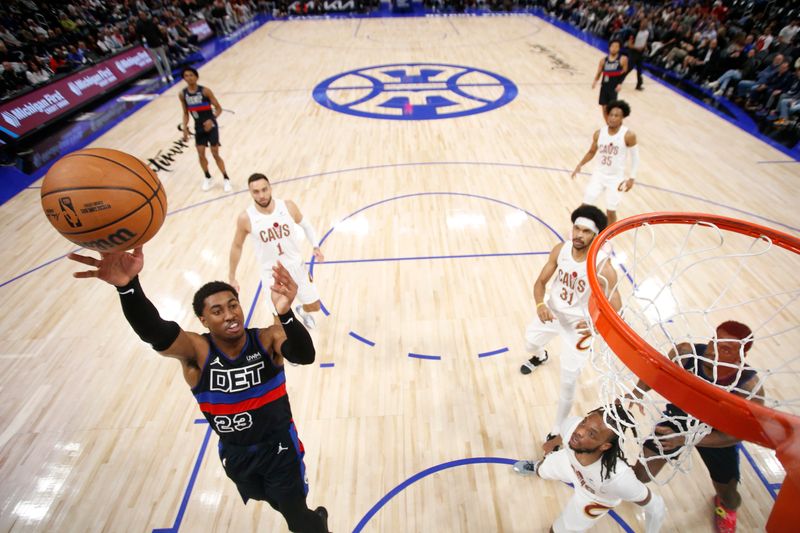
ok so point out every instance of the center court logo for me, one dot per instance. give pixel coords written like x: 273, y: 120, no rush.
x: 415, y: 91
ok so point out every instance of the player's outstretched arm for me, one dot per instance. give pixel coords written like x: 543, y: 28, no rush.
x: 308, y: 229
x: 540, y: 285
x: 121, y: 269
x: 185, y: 128
x: 589, y: 155
x: 291, y: 342
x: 630, y: 142
x: 242, y: 229
x: 598, y: 74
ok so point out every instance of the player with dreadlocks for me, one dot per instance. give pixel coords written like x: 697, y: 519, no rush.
x: 595, y: 465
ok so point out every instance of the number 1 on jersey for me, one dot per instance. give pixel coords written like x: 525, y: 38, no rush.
x: 280, y: 250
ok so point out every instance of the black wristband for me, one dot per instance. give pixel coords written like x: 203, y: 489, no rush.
x: 284, y: 318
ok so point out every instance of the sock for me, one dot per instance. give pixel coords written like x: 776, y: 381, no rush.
x: 566, y: 396
x: 225, y: 176
x: 208, y: 174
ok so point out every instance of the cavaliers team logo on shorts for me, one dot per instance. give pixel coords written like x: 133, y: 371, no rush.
x: 415, y: 91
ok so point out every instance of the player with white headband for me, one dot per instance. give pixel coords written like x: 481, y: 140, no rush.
x: 566, y: 313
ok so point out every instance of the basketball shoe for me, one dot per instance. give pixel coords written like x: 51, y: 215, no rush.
x: 323, y: 513
x: 206, y: 184
x: 724, y: 519
x: 526, y: 468
x: 308, y: 320
x: 533, y: 363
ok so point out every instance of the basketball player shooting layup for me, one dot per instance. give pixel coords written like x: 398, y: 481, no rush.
x: 271, y: 222
x: 595, y: 465
x: 567, y: 311
x: 720, y: 362
x: 236, y: 376
x: 197, y: 101
x: 613, y: 141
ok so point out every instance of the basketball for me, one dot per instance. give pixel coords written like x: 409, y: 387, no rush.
x: 104, y: 200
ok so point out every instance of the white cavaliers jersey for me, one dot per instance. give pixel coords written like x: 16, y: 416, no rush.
x: 612, y: 152
x: 620, y: 485
x: 569, y: 292
x: 274, y: 237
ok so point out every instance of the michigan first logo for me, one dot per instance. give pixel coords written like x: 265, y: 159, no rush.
x: 415, y: 91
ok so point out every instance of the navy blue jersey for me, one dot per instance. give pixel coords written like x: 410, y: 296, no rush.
x: 612, y: 71
x: 244, y: 399
x: 198, y: 104
x: 695, y: 366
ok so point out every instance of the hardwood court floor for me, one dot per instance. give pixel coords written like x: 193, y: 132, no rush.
x: 98, y: 432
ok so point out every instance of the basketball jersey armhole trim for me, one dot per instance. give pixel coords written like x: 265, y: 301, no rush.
x: 266, y: 352
x: 205, y: 364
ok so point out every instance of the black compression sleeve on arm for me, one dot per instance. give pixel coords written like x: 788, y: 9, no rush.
x: 143, y: 317
x: 298, y: 346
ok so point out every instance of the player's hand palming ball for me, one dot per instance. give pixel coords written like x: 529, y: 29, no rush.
x: 104, y: 200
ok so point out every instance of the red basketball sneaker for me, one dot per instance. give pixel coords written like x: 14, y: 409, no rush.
x: 724, y: 519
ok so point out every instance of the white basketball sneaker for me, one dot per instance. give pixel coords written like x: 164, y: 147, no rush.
x: 206, y: 184
x: 308, y: 320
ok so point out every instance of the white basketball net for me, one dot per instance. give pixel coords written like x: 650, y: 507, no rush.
x: 677, y: 283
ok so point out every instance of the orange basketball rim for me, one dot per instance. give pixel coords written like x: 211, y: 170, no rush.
x: 726, y: 412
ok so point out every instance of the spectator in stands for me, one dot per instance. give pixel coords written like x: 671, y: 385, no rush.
x: 58, y: 62
x: 68, y: 24
x: 36, y: 74
x: 75, y: 57
x: 8, y: 38
x: 764, y: 96
x: 788, y: 32
x: 746, y: 86
x: 698, y: 64
x: 636, y: 50
x: 789, y: 102
x: 746, y: 69
x: 12, y: 78
x: 154, y: 40
x: 220, y: 18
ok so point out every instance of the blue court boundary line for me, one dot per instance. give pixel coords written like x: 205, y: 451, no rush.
x: 199, y: 461
x: 423, y: 356
x: 326, y: 365
x: 767, y: 485
x: 444, y: 466
x: 362, y: 339
x: 494, y: 352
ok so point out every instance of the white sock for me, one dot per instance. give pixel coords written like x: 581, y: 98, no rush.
x: 566, y: 396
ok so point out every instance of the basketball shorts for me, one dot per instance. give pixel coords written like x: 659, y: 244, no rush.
x: 722, y: 463
x: 581, y: 512
x: 206, y: 138
x: 306, y: 290
x: 608, y: 93
x: 600, y: 183
x: 574, y: 347
x: 272, y: 471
